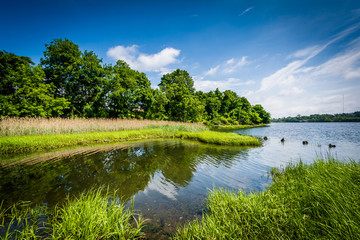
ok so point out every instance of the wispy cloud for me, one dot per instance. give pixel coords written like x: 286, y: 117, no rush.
x: 246, y: 10
x: 317, y: 88
x: 233, y: 64
x: 228, y: 67
x: 156, y: 62
x: 229, y: 84
x: 212, y: 71
x: 286, y: 76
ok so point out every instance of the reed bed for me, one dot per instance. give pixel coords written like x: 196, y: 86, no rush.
x: 13, y: 126
x: 318, y: 201
x: 95, y: 214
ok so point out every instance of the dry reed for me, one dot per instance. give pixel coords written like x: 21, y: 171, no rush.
x: 13, y: 126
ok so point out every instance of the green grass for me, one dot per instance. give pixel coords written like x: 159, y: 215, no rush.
x: 93, y: 215
x: 318, y: 201
x: 23, y: 144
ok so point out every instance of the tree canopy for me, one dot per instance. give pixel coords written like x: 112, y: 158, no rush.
x: 72, y: 83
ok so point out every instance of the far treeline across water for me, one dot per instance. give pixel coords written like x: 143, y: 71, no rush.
x: 70, y: 83
x: 341, y: 117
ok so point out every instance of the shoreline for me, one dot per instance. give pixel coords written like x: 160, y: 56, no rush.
x: 236, y: 127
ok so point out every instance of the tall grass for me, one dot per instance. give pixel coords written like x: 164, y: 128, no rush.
x: 318, y: 201
x: 93, y: 215
x: 13, y: 126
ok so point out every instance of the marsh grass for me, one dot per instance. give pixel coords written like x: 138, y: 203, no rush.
x: 317, y: 201
x: 95, y: 214
x: 13, y: 126
x: 23, y: 144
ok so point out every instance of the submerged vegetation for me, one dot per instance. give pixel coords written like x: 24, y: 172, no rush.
x: 93, y: 215
x: 317, y: 201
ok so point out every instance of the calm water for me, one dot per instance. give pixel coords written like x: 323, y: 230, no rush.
x: 170, y: 178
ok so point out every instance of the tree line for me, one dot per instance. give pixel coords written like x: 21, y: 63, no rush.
x: 70, y: 83
x: 340, y: 117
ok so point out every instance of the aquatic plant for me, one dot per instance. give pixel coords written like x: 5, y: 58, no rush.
x: 317, y: 201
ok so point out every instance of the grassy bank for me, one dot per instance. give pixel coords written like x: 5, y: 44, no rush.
x: 22, y: 144
x: 93, y: 215
x: 320, y: 201
x: 235, y: 127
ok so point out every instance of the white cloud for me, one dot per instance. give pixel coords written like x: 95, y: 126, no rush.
x: 229, y: 84
x: 342, y: 66
x: 228, y: 67
x: 124, y: 53
x: 145, y: 62
x: 304, y: 52
x: 291, y: 91
x: 246, y: 10
x: 233, y: 65
x: 300, y: 89
x: 212, y: 71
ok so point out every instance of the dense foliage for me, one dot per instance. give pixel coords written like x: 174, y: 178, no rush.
x: 71, y: 83
x: 343, y: 117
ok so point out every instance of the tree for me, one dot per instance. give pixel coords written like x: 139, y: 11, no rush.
x: 265, y: 116
x: 129, y: 94
x: 156, y: 102
x: 61, y: 63
x: 89, y: 90
x: 23, y: 92
x: 177, y: 81
x: 77, y: 76
x: 178, y: 88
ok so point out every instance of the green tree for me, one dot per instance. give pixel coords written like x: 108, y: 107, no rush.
x: 156, y: 102
x: 265, y: 116
x: 90, y: 89
x: 178, y: 87
x: 129, y: 94
x: 23, y: 92
x: 77, y: 76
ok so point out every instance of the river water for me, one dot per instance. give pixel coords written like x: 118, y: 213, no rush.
x: 170, y: 179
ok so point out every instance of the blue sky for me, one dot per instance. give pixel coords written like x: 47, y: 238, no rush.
x: 293, y: 57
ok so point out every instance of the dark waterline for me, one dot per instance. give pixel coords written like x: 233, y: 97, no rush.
x: 170, y: 178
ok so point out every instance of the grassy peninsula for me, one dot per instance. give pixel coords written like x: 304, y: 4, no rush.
x: 317, y: 201
x: 35, y: 135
